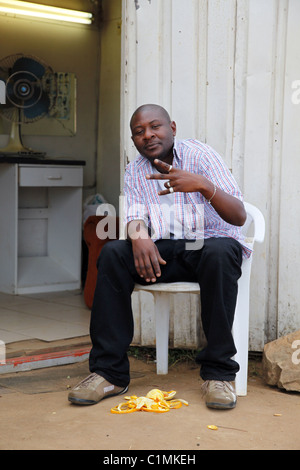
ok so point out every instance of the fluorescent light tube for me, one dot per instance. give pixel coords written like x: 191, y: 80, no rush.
x: 35, y: 10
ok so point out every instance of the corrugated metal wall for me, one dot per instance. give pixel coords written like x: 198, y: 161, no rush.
x: 228, y: 73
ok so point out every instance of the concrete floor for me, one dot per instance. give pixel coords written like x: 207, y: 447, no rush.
x: 35, y: 412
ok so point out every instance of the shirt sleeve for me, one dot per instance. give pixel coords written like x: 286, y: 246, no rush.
x: 134, y: 205
x: 215, y: 169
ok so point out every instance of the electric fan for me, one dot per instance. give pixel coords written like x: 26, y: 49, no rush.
x: 30, y: 86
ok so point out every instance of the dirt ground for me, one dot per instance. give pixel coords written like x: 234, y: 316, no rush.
x: 36, y: 415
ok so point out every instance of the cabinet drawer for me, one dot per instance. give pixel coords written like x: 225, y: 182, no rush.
x: 50, y: 176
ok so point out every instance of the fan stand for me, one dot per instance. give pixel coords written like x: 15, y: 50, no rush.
x: 15, y: 144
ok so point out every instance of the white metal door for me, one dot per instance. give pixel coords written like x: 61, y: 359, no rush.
x: 228, y: 72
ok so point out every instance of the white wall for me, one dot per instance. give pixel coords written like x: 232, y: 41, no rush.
x: 224, y: 70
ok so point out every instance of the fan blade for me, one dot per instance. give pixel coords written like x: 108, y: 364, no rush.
x: 30, y: 65
x: 38, y: 109
x: 24, y: 75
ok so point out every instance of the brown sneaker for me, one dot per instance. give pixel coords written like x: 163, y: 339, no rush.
x: 219, y: 395
x: 93, y: 389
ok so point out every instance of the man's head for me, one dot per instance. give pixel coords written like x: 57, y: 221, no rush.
x: 153, y: 132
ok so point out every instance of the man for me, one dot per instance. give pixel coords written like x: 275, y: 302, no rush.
x: 167, y: 178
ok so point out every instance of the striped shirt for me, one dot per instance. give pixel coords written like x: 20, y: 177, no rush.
x: 198, y: 218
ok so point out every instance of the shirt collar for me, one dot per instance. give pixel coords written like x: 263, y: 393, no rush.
x: 176, y: 151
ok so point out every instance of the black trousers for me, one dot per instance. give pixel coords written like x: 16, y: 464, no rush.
x: 216, y: 267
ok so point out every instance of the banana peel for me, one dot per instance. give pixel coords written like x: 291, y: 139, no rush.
x: 157, y: 401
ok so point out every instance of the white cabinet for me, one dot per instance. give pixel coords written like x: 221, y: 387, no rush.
x: 40, y: 227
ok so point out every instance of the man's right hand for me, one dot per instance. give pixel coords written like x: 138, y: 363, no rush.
x: 146, y: 256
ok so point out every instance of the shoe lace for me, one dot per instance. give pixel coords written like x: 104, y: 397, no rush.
x: 91, y: 378
x: 215, y: 385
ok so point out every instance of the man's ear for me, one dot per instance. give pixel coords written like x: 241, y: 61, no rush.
x: 173, y: 127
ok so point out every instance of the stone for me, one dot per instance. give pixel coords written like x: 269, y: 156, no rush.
x: 281, y: 362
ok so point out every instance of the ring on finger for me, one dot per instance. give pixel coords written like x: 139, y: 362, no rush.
x: 170, y: 168
x: 171, y: 190
x: 168, y: 184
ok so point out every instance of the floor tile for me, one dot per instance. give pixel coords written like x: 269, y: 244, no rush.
x: 48, y: 317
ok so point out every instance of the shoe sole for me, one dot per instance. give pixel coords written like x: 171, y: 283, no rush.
x: 82, y: 401
x: 221, y: 406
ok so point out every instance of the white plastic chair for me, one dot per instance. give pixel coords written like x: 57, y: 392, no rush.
x: 240, y: 329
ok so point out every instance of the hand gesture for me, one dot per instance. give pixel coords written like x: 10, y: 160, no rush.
x: 177, y: 180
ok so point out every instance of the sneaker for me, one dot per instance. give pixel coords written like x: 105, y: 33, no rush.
x: 219, y: 395
x: 93, y: 389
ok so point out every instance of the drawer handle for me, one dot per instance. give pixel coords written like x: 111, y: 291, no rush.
x: 54, y: 177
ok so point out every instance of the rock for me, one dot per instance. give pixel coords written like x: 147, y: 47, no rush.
x: 281, y: 362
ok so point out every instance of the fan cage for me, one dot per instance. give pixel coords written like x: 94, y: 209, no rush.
x: 16, y: 111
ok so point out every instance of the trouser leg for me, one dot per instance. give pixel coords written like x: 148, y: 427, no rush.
x: 111, y: 327
x: 218, y: 268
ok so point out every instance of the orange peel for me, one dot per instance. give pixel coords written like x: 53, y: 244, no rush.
x: 157, y: 401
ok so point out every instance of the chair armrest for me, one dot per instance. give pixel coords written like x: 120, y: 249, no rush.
x: 258, y: 221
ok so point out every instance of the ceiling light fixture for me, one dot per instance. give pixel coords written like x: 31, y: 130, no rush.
x: 35, y: 10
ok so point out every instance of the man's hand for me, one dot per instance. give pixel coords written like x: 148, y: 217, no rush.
x: 177, y: 179
x: 230, y: 208
x: 147, y: 259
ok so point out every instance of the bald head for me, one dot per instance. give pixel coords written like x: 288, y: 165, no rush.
x: 159, y: 110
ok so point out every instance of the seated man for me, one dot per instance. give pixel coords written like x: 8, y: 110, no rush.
x: 166, y: 243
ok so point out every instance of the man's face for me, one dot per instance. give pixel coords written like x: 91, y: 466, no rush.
x: 153, y: 135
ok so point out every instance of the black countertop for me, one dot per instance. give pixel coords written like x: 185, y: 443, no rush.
x: 44, y: 160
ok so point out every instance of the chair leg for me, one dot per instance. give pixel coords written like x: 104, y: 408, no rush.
x: 241, y: 378
x: 162, y: 331
x: 240, y: 332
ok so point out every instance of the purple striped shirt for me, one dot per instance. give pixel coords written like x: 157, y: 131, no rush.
x: 142, y: 201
